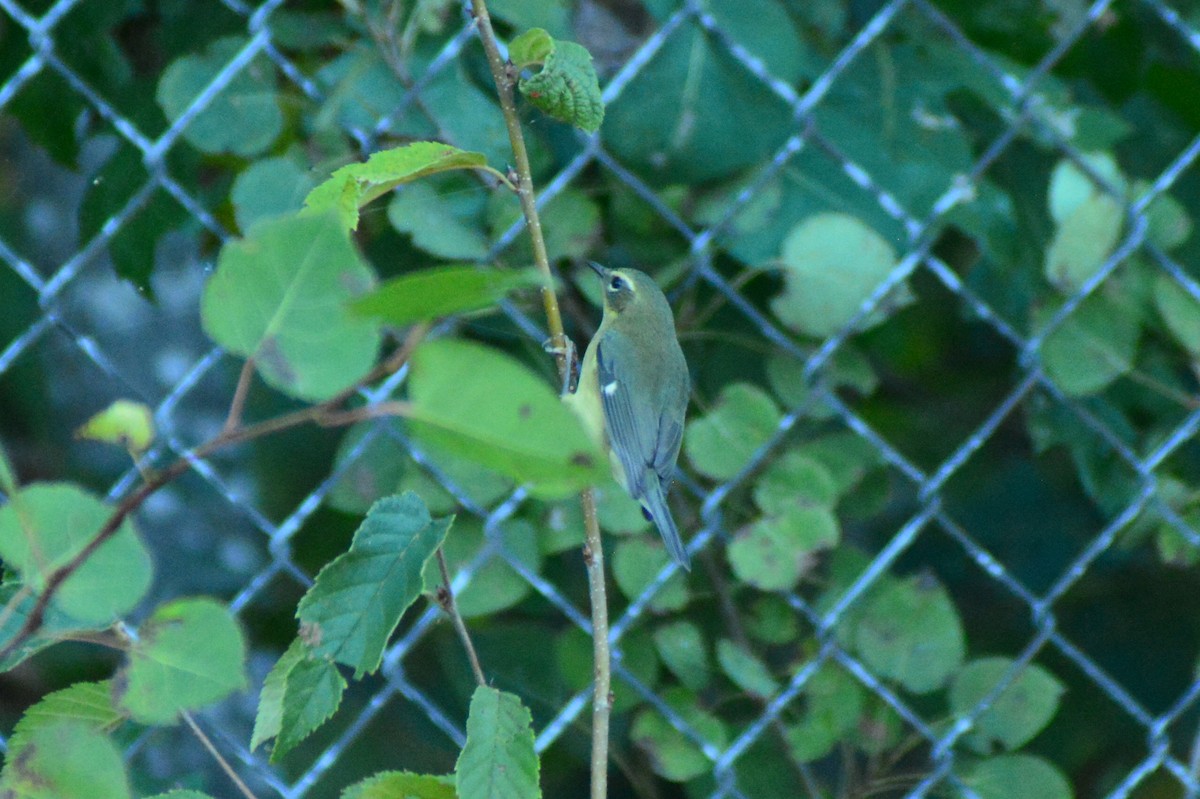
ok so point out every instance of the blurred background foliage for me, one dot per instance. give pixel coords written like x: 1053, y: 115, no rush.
x: 934, y: 270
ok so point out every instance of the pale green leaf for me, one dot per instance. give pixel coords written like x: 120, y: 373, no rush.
x: 441, y: 291
x: 794, y: 480
x: 269, y: 717
x: 474, y: 402
x: 1094, y: 346
x: 267, y: 188
x: 636, y: 562
x: 566, y: 86
x: 832, y: 263
x: 1082, y: 242
x: 1180, y: 310
x: 672, y: 754
x: 126, y: 423
x: 188, y: 654
x: 532, y: 47
x: 244, y: 118
x: 775, y: 552
x: 498, y: 761
x: 65, y: 760
x: 746, y: 670
x: 402, y: 785
x: 681, y: 647
x: 911, y: 632
x: 45, y: 525
x: 358, y: 598
x: 722, y: 442
x: 1021, y: 711
x: 1071, y: 188
x: 352, y: 186
x: 1016, y: 776
x: 278, y: 296
x: 450, y: 224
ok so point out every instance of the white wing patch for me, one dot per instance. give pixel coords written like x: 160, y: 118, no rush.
x: 610, y: 388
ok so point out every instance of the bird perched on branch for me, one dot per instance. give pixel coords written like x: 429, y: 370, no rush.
x: 633, y: 394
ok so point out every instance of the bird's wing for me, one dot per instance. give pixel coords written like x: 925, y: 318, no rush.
x: 634, y: 437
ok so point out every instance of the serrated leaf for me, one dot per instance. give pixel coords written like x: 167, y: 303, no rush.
x: 775, y: 552
x: 1016, y: 776
x: 312, y: 695
x: 244, y: 118
x: 636, y: 562
x: 832, y: 263
x: 441, y: 291
x: 126, y: 423
x: 681, y: 647
x: 87, y: 703
x: 269, y: 716
x: 188, y: 654
x: 476, y: 403
x: 745, y: 670
x: 402, y: 785
x: 279, y: 296
x: 498, y: 760
x: 352, y: 186
x: 910, y: 632
x: 45, y: 525
x: 566, y: 87
x: 720, y: 443
x: 358, y: 598
x: 1021, y: 711
x: 65, y: 760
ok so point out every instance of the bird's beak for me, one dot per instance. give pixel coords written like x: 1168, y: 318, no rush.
x: 602, y: 271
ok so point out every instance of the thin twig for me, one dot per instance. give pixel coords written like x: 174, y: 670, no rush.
x: 324, y: 413
x: 446, y: 600
x: 221, y: 761
x: 504, y: 75
x: 234, y: 419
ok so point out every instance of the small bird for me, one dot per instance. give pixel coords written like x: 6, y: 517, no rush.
x: 633, y: 393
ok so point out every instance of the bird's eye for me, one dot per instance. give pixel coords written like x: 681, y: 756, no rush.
x: 616, y: 283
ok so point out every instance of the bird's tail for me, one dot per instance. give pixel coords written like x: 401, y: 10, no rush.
x: 655, y: 501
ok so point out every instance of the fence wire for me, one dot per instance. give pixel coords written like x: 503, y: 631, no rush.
x: 216, y: 498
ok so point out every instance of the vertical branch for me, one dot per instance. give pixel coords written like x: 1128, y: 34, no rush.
x: 504, y: 75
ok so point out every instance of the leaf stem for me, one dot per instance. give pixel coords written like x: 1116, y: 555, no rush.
x: 446, y: 600
x: 221, y: 761
x: 504, y: 75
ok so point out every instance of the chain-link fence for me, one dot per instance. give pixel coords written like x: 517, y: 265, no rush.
x: 77, y: 336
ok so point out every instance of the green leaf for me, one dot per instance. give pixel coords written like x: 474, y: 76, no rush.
x: 1071, y: 188
x: 910, y: 632
x: 1015, y: 777
x: 1169, y: 223
x: 125, y: 423
x: 354, y: 185
x: 746, y: 670
x: 8, y: 478
x: 1017, y: 715
x: 1082, y: 242
x: 636, y: 562
x: 358, y: 598
x: 16, y: 603
x: 775, y: 552
x: 313, y: 693
x: 87, y: 703
x: 566, y: 87
x: 181, y: 794
x: 1180, y: 311
x: 794, y: 480
x: 450, y: 224
x: 681, y: 647
x: 267, y: 188
x: 268, y: 719
x: 772, y: 621
x: 570, y: 222
x: 45, y: 525
x: 243, y: 119
x: 65, y: 760
x: 1094, y: 346
x: 742, y: 420
x: 833, y: 704
x: 402, y: 785
x: 498, y: 761
x: 478, y: 404
x: 188, y: 654
x: 832, y: 263
x: 279, y: 296
x: 441, y: 291
x: 672, y: 754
